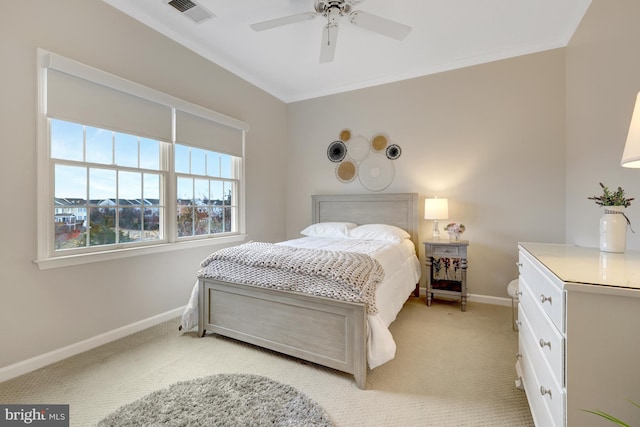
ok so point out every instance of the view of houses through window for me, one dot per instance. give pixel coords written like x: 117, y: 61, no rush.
x: 110, y: 188
x: 206, y: 205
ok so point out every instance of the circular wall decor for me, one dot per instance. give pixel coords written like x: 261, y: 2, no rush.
x: 393, y: 152
x: 336, y: 151
x: 346, y: 171
x: 379, y: 142
x: 376, y: 172
x: 359, y: 148
x: 345, y: 135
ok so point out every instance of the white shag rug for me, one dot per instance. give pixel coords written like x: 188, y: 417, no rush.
x: 222, y: 400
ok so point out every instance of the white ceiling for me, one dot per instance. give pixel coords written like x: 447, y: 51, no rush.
x: 284, y: 61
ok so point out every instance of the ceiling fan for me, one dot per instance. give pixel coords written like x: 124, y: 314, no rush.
x: 333, y: 10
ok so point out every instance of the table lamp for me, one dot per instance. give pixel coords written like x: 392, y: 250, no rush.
x: 435, y: 209
x: 631, y: 154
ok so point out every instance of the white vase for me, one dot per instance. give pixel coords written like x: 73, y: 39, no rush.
x: 613, y: 229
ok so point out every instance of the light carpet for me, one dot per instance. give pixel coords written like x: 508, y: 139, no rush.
x: 222, y: 400
x: 451, y: 368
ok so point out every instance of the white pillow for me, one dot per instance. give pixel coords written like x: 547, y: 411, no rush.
x: 387, y: 233
x: 329, y: 229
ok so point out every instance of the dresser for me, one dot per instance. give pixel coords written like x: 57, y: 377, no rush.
x: 579, y: 334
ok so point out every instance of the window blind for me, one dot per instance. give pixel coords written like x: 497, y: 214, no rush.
x: 204, y: 133
x: 79, y: 93
x: 71, y: 96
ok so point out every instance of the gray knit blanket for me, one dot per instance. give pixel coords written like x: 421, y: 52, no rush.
x: 346, y: 276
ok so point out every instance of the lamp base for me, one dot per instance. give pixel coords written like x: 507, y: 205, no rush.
x: 436, y: 230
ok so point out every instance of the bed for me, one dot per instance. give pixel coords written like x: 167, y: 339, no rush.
x: 346, y: 335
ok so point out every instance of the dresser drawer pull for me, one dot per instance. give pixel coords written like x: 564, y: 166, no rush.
x: 544, y: 299
x: 544, y: 391
x: 543, y: 343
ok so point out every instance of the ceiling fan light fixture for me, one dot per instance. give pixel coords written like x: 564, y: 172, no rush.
x: 333, y: 14
x: 324, y: 7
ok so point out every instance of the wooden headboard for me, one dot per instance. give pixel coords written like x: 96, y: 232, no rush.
x: 399, y: 209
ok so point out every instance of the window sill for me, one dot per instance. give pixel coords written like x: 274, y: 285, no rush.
x: 70, y: 260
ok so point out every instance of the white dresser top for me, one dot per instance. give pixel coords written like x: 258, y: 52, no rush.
x: 588, y: 265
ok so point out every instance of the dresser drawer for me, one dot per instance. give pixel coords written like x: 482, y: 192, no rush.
x: 538, y: 328
x: 545, y: 288
x: 541, y: 384
x: 539, y: 411
x: 446, y: 251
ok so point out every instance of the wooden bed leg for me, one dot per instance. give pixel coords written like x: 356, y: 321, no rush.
x: 361, y: 379
x: 201, y: 308
x: 416, y: 293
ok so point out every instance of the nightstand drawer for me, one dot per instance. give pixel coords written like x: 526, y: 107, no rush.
x: 446, y: 251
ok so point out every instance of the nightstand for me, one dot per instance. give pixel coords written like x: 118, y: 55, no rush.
x: 446, y: 263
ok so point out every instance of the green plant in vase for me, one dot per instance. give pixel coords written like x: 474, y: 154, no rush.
x: 608, y: 198
x: 614, y: 222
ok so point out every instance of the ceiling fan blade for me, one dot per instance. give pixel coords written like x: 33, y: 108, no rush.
x: 380, y: 25
x: 285, y: 20
x: 329, y: 40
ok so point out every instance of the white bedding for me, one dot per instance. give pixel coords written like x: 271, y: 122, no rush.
x: 402, y: 272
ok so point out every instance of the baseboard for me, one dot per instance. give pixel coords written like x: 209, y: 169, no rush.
x: 483, y: 299
x: 487, y: 299
x: 29, y: 365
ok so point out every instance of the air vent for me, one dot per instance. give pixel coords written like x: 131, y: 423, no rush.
x: 182, y: 5
x: 191, y: 10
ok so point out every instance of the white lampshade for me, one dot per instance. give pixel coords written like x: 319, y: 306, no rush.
x: 631, y: 155
x: 436, y: 208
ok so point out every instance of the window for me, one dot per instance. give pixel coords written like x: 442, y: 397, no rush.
x: 107, y: 187
x: 123, y: 167
x: 207, y: 192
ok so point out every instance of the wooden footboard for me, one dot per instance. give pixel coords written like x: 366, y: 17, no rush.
x: 321, y: 330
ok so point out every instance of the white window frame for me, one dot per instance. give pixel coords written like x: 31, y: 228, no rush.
x: 46, y: 256
x: 236, y: 167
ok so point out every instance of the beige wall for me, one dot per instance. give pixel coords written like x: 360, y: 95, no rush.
x: 516, y: 157
x: 603, y: 78
x: 41, y: 311
x: 489, y: 137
